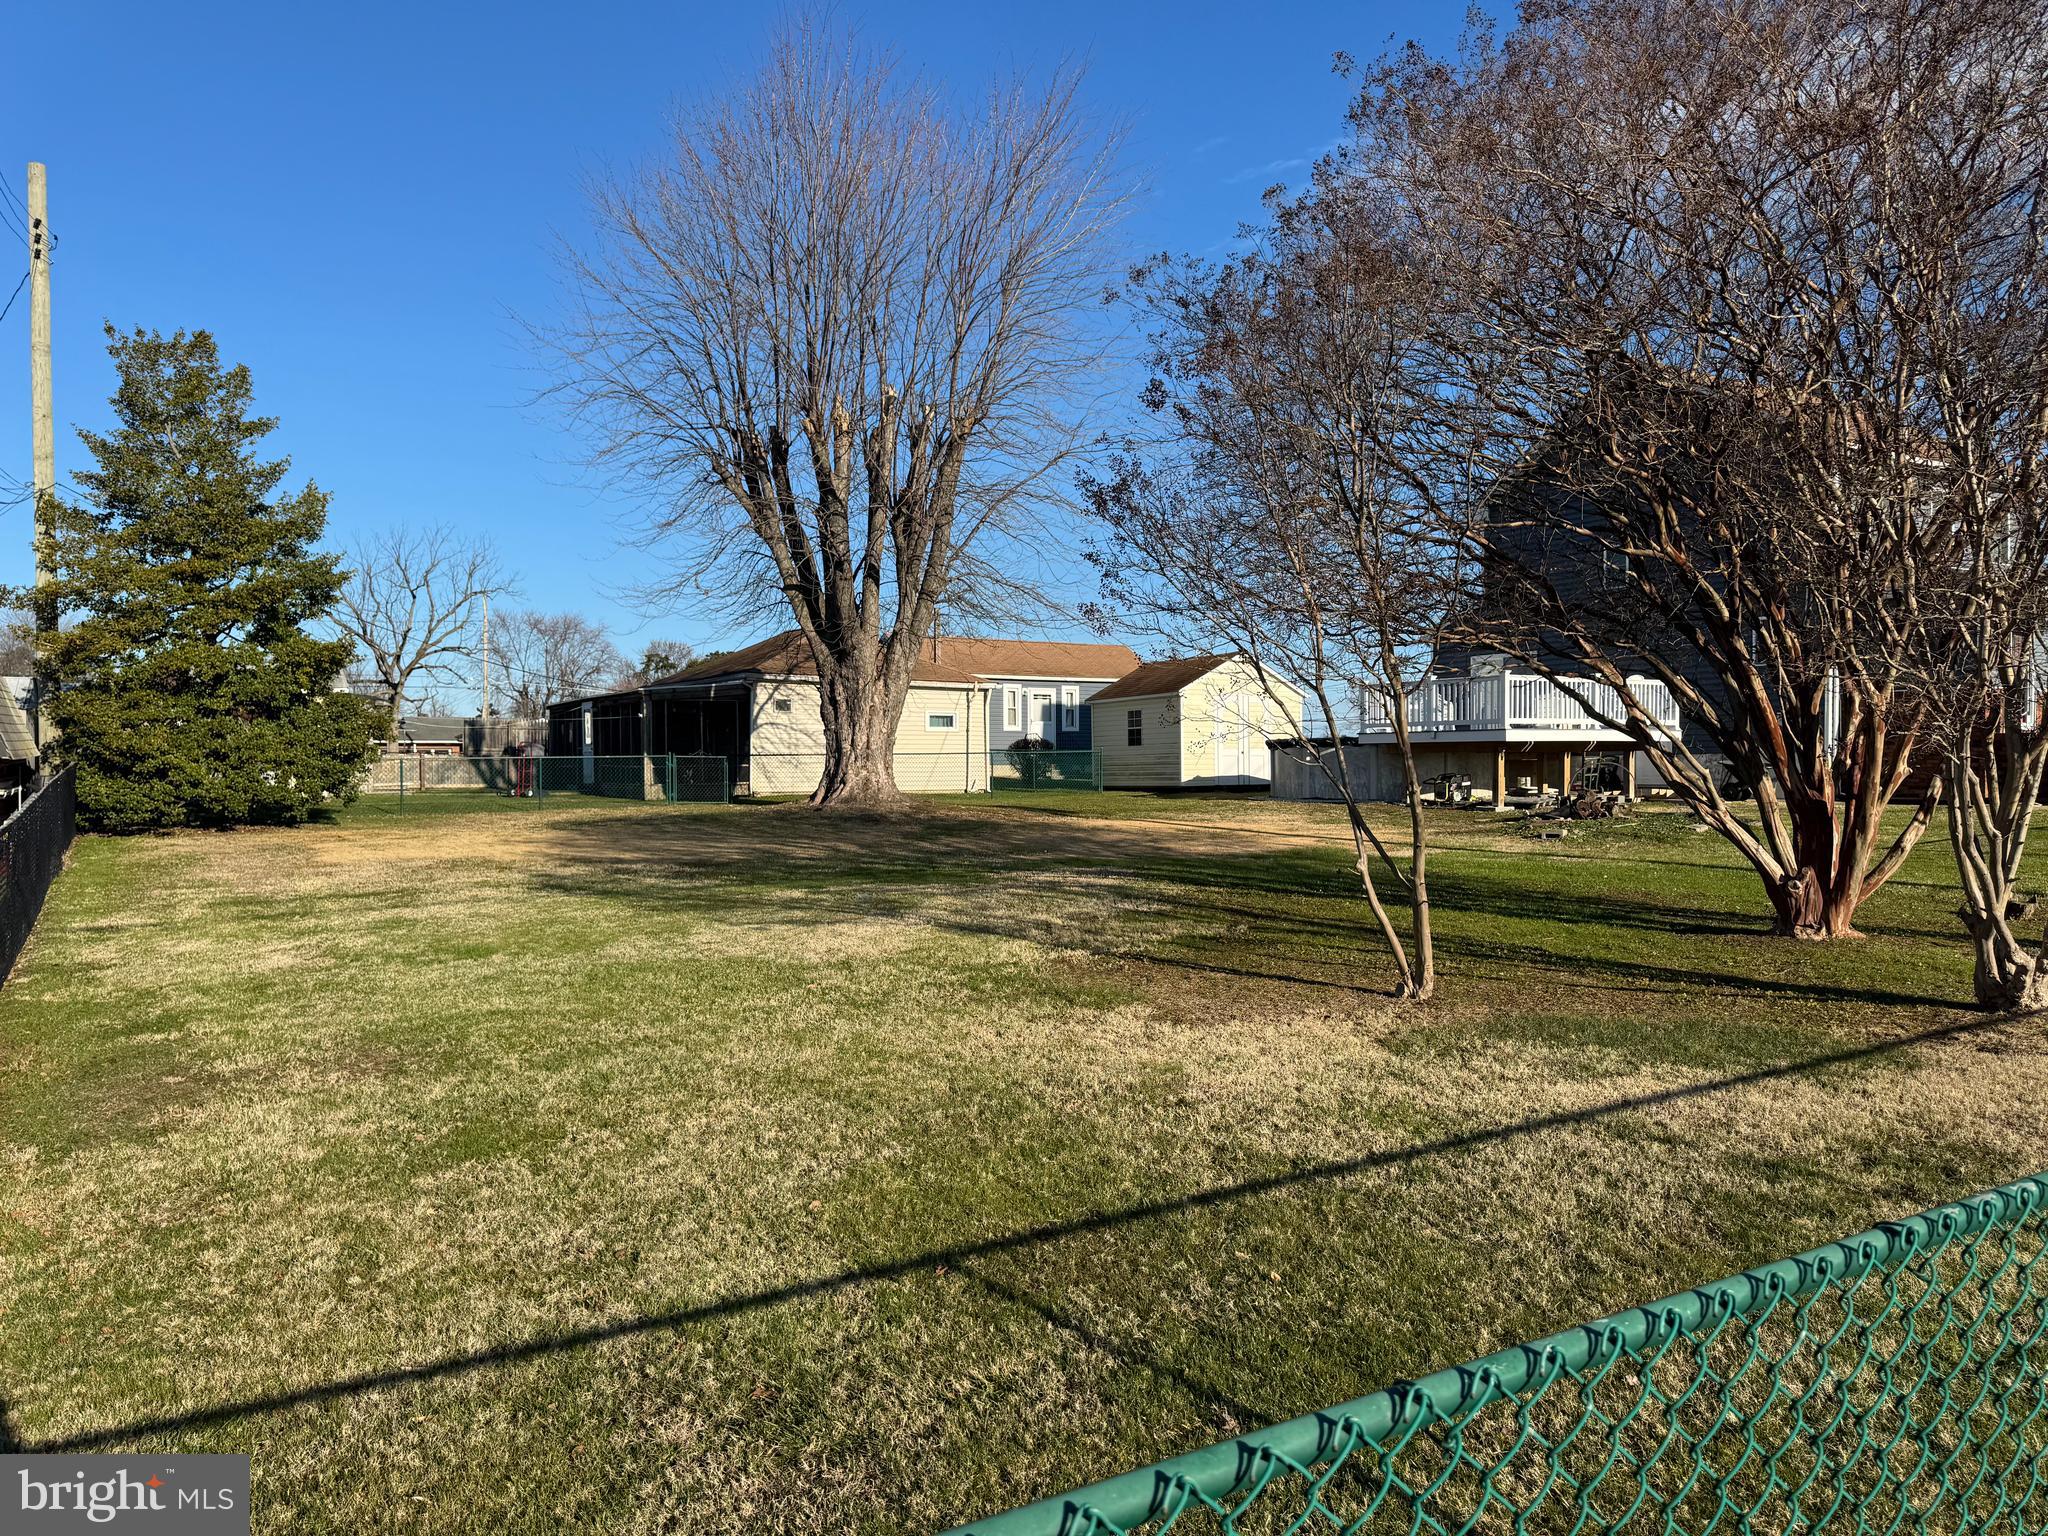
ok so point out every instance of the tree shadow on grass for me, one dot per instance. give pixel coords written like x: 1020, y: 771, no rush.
x: 1169, y: 894
x: 961, y: 1255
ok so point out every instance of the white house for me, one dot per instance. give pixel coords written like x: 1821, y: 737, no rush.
x: 1196, y: 720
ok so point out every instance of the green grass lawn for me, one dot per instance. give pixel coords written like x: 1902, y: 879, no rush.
x: 479, y: 1166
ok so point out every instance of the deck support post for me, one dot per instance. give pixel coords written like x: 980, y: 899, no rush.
x: 1628, y: 771
x: 1500, y: 780
x: 1565, y: 779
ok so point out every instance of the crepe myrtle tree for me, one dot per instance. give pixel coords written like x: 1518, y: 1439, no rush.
x: 1296, y: 505
x: 1727, y: 285
x: 1989, y: 678
x: 835, y: 336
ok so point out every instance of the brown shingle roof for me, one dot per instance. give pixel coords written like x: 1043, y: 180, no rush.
x: 1161, y: 677
x: 1034, y: 658
x: 960, y: 659
x: 786, y: 655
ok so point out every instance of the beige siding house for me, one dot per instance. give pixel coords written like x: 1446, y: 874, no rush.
x: 1198, y: 720
x: 941, y: 737
x: 758, y: 708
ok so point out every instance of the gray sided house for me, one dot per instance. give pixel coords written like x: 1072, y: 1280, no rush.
x: 1511, y: 736
x: 1039, y: 690
x: 19, y: 753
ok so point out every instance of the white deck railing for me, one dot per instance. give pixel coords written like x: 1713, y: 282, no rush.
x: 1514, y: 702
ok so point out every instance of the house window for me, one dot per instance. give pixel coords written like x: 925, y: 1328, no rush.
x: 1070, y: 708
x: 1134, y: 727
x: 1013, y: 710
x: 938, y: 722
x: 782, y: 706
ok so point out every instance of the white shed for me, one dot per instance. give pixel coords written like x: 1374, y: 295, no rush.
x: 1193, y: 721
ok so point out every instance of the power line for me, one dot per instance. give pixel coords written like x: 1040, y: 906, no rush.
x: 13, y: 212
x: 12, y: 297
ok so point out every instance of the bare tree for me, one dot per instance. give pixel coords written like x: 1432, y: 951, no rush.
x: 1703, y: 296
x: 658, y: 658
x: 548, y: 657
x: 1990, y: 671
x: 1980, y: 617
x: 836, y: 337
x: 17, y: 642
x: 413, y: 602
x: 1297, y: 511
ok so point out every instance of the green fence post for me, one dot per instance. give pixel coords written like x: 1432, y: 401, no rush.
x: 671, y: 778
x: 401, y: 783
x: 540, y: 775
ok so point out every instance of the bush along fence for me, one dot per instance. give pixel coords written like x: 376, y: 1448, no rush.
x: 33, y: 842
x: 668, y: 777
x: 1893, y: 1381
x: 1009, y: 768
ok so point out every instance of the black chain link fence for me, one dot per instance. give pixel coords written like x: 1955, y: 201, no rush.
x: 33, y: 842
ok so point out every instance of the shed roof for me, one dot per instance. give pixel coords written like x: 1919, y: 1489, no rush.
x: 432, y: 727
x: 1156, y: 677
x: 17, y: 736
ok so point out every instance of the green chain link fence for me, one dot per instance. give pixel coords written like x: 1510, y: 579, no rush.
x: 669, y: 777
x: 1894, y: 1381
x: 1012, y: 768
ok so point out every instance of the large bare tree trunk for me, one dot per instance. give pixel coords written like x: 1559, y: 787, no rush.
x: 860, y: 717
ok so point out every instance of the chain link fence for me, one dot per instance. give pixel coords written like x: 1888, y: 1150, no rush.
x: 937, y: 773
x: 670, y: 777
x: 916, y: 773
x: 1016, y: 768
x: 33, y: 842
x: 1894, y: 1381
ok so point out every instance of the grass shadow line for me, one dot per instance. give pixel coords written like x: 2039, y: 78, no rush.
x: 958, y: 1256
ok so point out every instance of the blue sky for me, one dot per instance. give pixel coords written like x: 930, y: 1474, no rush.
x: 357, y: 199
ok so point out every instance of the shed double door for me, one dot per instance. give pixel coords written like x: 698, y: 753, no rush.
x: 1240, y: 739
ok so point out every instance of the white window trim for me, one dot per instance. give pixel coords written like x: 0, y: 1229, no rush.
x: 934, y: 716
x: 1134, y: 720
x: 1070, y: 708
x: 1013, y: 709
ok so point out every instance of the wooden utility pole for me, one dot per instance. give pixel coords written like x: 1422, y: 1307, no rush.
x: 487, y: 668
x: 39, y: 380
x: 44, y: 429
